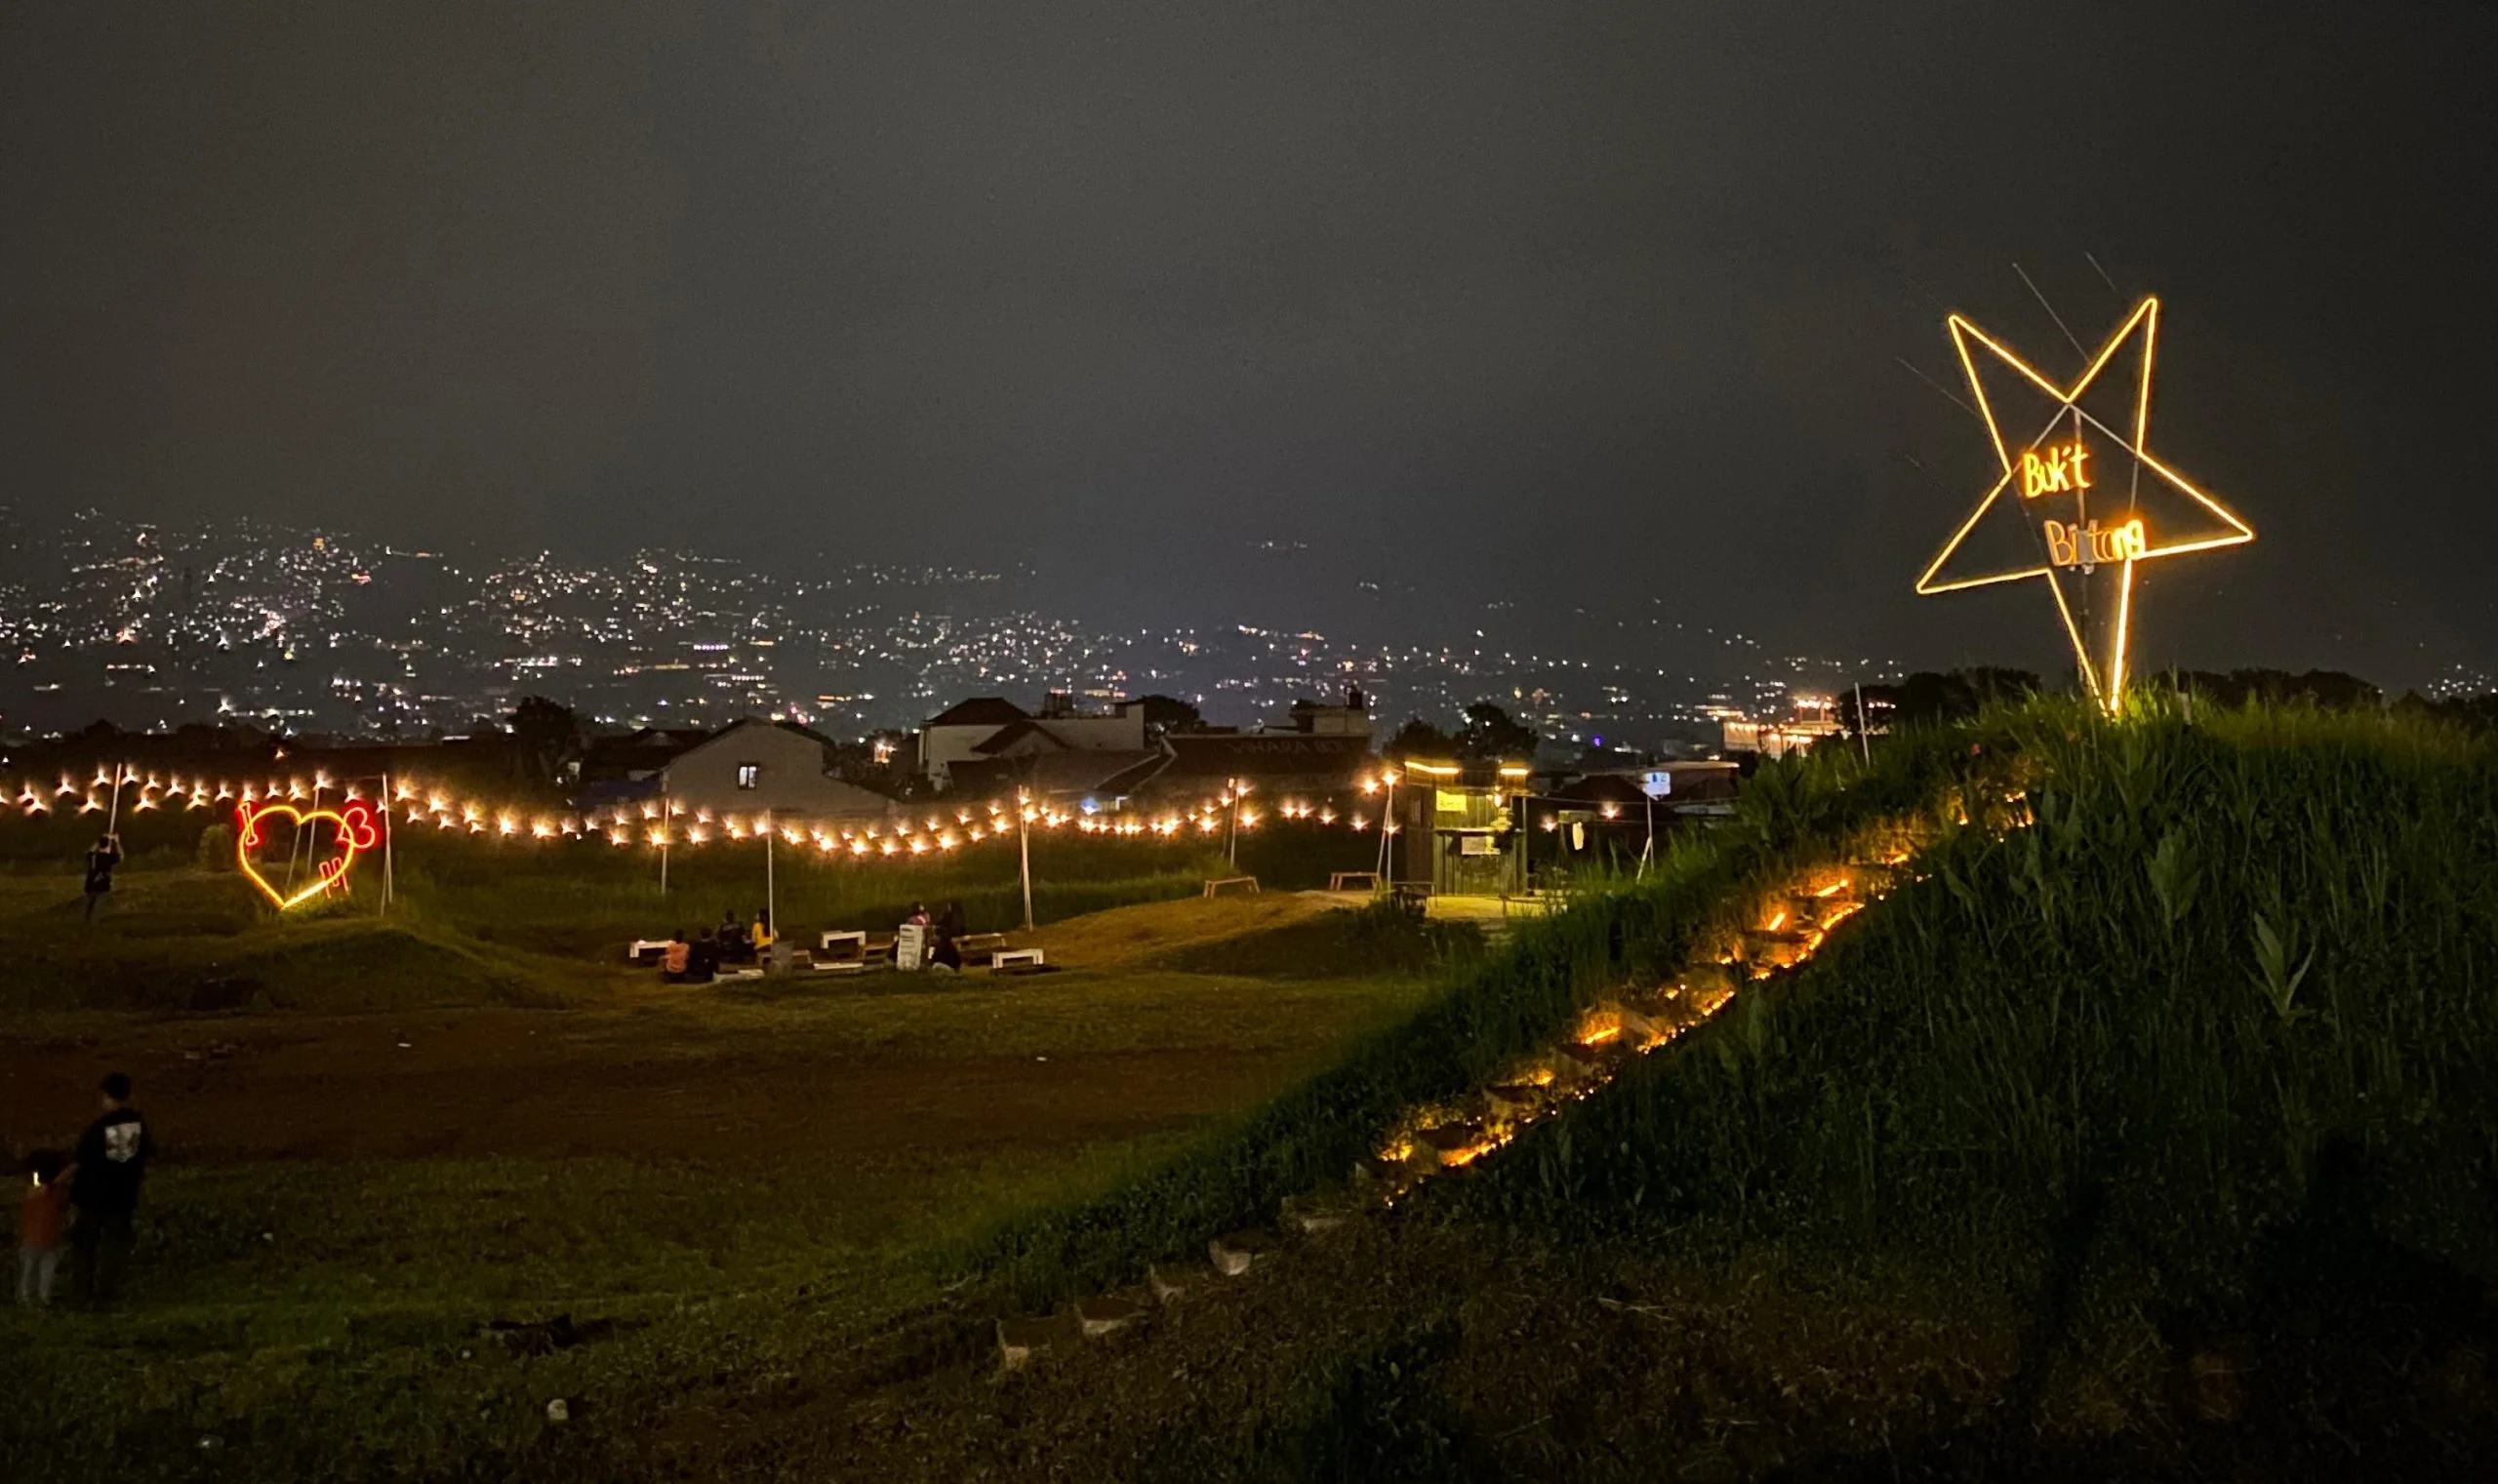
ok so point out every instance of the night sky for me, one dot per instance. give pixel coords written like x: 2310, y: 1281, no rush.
x: 1560, y: 304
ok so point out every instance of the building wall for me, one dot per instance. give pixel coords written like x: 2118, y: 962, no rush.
x: 1775, y: 739
x: 941, y: 748
x: 789, y: 777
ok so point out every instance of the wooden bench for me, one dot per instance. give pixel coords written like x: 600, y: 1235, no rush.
x: 1532, y: 902
x: 1216, y: 884
x: 1010, y: 958
x: 980, y: 948
x: 1343, y: 881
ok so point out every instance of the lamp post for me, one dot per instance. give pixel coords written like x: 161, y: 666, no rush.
x: 1387, y: 830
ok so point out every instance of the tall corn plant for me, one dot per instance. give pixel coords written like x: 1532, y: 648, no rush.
x: 2217, y: 947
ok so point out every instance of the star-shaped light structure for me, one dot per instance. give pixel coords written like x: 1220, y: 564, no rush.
x: 2071, y: 448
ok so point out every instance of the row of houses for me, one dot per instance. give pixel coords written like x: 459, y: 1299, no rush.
x: 986, y: 747
x: 1463, y: 825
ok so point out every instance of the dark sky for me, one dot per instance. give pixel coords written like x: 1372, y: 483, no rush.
x: 1540, y: 301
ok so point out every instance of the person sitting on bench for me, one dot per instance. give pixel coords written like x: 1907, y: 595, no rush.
x: 703, y: 964
x: 732, y: 938
x: 758, y: 938
x: 676, y: 959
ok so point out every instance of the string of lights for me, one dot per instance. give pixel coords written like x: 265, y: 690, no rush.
x: 412, y: 803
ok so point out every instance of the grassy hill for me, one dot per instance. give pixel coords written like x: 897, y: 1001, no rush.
x: 2148, y: 1128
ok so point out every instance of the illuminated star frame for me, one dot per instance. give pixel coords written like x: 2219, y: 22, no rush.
x: 1966, y: 338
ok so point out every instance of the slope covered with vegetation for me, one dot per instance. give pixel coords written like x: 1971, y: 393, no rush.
x: 2147, y: 1127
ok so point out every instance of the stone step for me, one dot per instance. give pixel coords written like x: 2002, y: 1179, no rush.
x: 1107, y: 1315
x: 1235, y: 1252
x: 1021, y: 1341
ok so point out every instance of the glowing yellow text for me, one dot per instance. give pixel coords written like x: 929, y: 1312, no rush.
x: 2091, y: 545
x: 2055, y: 469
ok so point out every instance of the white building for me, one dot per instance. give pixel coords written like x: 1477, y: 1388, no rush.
x: 754, y: 766
x: 988, y: 729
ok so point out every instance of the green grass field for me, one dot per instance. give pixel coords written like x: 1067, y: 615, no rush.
x: 383, y: 1136
x: 2144, y: 1129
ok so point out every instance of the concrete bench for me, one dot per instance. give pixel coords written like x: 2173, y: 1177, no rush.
x: 1214, y: 884
x: 1343, y: 881
x: 1009, y: 958
x: 851, y: 943
x: 647, y: 950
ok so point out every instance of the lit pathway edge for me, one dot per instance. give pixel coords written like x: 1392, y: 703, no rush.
x: 1784, y: 927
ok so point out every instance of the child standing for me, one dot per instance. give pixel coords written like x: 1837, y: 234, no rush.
x: 42, y: 1217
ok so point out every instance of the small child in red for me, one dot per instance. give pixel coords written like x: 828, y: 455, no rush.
x: 43, y: 1219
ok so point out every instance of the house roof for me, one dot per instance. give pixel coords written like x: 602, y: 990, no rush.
x: 790, y: 727
x: 1199, y: 757
x: 650, y: 748
x: 1600, y: 788
x: 1008, y: 736
x: 979, y: 711
x: 1111, y: 771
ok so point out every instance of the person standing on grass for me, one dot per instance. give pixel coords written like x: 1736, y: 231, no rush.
x: 43, y: 1216
x: 103, y: 1186
x: 99, y: 872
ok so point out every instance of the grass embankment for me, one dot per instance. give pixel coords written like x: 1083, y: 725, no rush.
x: 1494, y: 1012
x: 2158, y: 1136
x: 478, y: 921
x: 585, y: 899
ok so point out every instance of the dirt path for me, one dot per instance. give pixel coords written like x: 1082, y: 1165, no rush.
x: 552, y: 1083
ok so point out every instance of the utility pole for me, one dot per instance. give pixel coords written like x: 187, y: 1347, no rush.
x: 1232, y: 826
x: 1024, y: 847
x: 771, y: 889
x: 386, y: 801
x: 1863, y: 736
x: 1648, y: 852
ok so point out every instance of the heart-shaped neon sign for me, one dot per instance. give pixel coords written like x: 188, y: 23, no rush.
x: 353, y: 830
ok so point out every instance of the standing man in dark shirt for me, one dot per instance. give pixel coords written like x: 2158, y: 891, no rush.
x: 100, y: 871
x: 104, y: 1186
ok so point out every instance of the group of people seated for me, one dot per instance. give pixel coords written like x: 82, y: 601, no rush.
x: 941, y: 952
x: 698, y: 960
